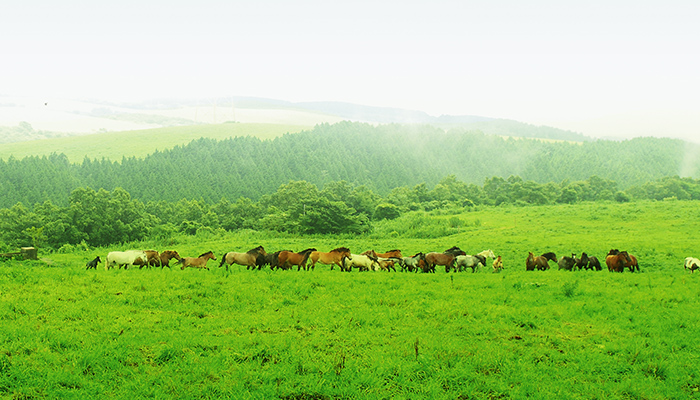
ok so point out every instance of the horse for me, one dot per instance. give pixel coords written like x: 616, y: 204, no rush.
x: 567, y: 263
x: 632, y: 264
x: 361, y: 262
x: 468, y: 261
x: 197, y: 262
x: 289, y: 258
x: 691, y: 263
x: 93, y: 263
x: 396, y: 253
x: 497, y: 264
x: 386, y: 263
x: 413, y: 263
x: 333, y: 257
x: 168, y: 255
x: 446, y: 258
x: 248, y: 259
x: 594, y: 264
x: 271, y: 259
x: 540, y: 262
x: 581, y: 263
x: 152, y: 259
x: 616, y: 260
x: 487, y: 254
x: 125, y: 258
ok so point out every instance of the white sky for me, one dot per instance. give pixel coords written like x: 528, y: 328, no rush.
x: 604, y: 68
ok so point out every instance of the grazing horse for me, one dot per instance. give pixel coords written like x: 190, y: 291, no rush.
x: 498, y: 264
x: 248, y: 259
x: 197, y: 262
x: 125, y: 258
x: 691, y: 263
x: 468, y: 261
x: 633, y: 265
x: 168, y: 255
x: 361, y: 262
x: 93, y: 263
x: 567, y: 263
x: 616, y: 260
x: 333, y: 257
x: 289, y: 258
x: 540, y: 262
x: 594, y: 264
x: 413, y: 263
x: 446, y: 258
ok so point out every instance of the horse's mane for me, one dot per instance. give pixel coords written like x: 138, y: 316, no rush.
x: 421, y: 254
x: 307, y: 251
x: 340, y: 250
x: 255, y: 250
x: 550, y: 256
x: 391, y: 251
x: 208, y: 252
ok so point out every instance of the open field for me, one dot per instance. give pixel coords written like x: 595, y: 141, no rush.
x: 116, y: 145
x: 323, y: 334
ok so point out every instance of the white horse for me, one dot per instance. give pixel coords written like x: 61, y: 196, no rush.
x: 125, y: 258
x: 468, y: 261
x: 487, y: 253
x: 364, y: 263
x: 691, y: 263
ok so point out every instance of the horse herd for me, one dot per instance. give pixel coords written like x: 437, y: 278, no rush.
x: 453, y: 259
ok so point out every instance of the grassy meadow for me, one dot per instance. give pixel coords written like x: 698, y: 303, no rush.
x: 322, y: 334
x: 140, y: 143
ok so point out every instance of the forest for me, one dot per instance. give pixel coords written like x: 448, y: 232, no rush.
x: 380, y: 158
x: 334, y: 179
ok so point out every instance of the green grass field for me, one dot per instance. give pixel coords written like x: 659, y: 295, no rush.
x: 322, y: 334
x: 116, y: 145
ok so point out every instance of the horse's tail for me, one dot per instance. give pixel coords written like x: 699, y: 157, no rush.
x: 223, y: 260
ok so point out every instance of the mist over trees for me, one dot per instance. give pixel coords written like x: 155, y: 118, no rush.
x: 380, y: 158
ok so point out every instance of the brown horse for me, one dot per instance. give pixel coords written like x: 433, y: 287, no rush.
x: 289, y: 258
x: 168, y: 255
x: 198, y: 262
x: 446, y: 258
x: 540, y: 262
x: 333, y: 257
x: 152, y: 259
x: 632, y: 264
x: 617, y: 260
x: 248, y: 259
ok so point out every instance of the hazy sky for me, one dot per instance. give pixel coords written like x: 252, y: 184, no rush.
x: 616, y: 68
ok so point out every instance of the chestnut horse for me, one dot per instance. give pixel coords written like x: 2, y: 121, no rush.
x: 446, y: 258
x: 540, y: 262
x: 333, y: 257
x: 498, y: 264
x: 248, y: 259
x: 289, y: 258
x: 617, y: 260
x: 198, y: 262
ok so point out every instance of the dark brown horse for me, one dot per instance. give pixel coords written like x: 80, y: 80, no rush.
x: 333, y: 257
x: 166, y: 256
x: 540, y: 262
x: 197, y: 262
x: 287, y: 259
x: 617, y: 260
x: 446, y: 258
x: 248, y: 259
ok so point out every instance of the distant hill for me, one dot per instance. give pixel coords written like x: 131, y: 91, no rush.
x: 26, y: 119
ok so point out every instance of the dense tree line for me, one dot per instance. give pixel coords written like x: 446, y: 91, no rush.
x: 100, y: 218
x: 380, y: 158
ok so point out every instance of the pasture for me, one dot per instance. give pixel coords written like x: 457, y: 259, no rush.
x: 322, y: 334
x: 116, y: 145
